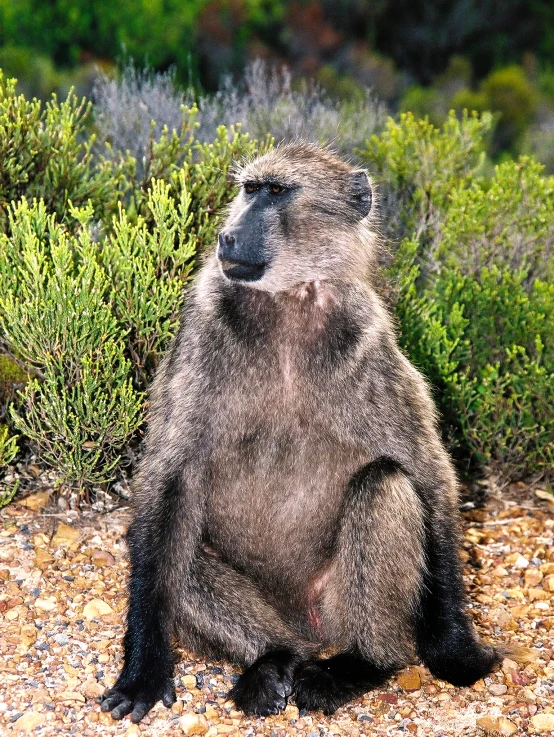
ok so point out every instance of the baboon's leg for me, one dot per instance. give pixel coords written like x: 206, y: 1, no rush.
x: 446, y: 639
x: 222, y: 614
x: 371, y: 595
x: 397, y: 580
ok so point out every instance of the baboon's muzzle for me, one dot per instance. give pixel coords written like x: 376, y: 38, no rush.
x: 239, y: 261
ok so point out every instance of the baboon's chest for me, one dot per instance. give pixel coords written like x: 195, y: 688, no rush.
x: 279, y: 469
x: 275, y: 501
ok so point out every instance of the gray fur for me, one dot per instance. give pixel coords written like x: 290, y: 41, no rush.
x: 271, y: 399
x: 269, y: 435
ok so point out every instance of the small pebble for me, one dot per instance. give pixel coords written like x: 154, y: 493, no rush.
x: 497, y: 725
x: 543, y: 723
x: 497, y: 689
x: 193, y: 724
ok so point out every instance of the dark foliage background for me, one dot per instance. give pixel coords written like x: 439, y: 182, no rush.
x: 426, y: 56
x: 216, y: 36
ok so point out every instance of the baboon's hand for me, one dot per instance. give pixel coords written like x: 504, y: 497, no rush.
x: 137, y: 697
x: 464, y: 662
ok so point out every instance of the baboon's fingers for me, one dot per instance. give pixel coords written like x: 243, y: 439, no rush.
x: 169, y: 697
x: 120, y: 704
x: 140, y: 710
x: 111, y: 699
x: 122, y: 709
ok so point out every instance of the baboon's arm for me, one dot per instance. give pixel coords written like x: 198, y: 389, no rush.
x: 166, y: 530
x: 161, y: 541
x: 446, y: 639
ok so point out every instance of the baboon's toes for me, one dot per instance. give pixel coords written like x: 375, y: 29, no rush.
x: 259, y: 693
x: 316, y: 689
x: 114, y: 700
x: 264, y: 687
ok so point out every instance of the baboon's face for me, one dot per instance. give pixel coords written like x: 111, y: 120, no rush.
x: 299, y: 216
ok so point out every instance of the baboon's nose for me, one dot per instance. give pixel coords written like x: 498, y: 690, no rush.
x: 227, y: 246
x: 240, y: 255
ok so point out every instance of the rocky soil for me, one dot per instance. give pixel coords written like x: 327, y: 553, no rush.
x: 62, y: 602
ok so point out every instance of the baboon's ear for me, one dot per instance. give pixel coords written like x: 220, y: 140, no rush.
x: 359, y: 191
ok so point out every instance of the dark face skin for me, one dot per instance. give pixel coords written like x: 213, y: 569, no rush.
x: 243, y: 247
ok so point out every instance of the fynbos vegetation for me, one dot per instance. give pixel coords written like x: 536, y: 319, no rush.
x: 105, y: 215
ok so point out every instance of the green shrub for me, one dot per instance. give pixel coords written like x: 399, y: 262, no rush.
x: 150, y: 266
x: 418, y: 166
x: 80, y: 425
x: 425, y: 102
x: 467, y: 99
x: 505, y: 221
x: 44, y: 154
x: 8, y: 451
x: 545, y: 83
x: 8, y: 448
x: 506, y: 92
x: 475, y: 294
x: 56, y: 316
x: 35, y: 72
x: 12, y: 378
x: 538, y: 140
x: 52, y: 289
x: 509, y: 93
x: 485, y: 340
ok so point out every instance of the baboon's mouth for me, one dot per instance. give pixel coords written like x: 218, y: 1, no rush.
x: 242, y: 271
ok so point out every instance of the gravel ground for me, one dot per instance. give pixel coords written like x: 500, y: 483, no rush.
x: 62, y: 602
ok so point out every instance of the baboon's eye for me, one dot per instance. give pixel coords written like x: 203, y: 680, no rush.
x: 276, y: 188
x: 250, y: 187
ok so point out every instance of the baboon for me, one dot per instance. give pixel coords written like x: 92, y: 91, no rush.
x: 295, y: 512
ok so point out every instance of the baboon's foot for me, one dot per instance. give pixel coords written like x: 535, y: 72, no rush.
x: 136, y: 697
x: 265, y: 686
x: 327, y: 684
x: 463, y: 662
